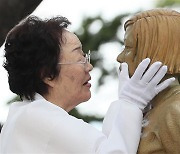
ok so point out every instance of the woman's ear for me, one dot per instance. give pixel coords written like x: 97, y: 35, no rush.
x: 50, y: 82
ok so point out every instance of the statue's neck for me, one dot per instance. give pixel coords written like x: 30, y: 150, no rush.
x: 167, y: 76
x: 166, y: 93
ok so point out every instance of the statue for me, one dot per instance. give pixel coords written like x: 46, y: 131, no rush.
x: 156, y: 34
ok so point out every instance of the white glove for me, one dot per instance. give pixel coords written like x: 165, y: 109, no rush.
x: 143, y: 86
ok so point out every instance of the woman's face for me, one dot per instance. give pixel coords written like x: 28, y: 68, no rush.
x: 128, y: 54
x: 72, y: 85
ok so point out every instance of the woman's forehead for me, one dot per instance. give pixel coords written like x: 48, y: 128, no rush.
x: 70, y: 38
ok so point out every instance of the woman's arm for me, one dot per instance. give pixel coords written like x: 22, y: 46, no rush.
x: 134, y: 95
x: 122, y: 124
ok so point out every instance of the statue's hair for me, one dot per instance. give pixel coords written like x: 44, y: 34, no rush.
x: 157, y: 36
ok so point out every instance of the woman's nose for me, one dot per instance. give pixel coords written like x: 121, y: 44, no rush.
x: 89, y: 67
x: 121, y: 57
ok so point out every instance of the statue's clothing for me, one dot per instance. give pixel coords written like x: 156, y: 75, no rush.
x: 161, y: 130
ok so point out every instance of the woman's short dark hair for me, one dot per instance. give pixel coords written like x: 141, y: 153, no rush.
x: 32, y: 51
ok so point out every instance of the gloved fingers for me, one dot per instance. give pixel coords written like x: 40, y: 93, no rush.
x: 123, y: 71
x: 140, y: 69
x: 150, y: 73
x: 159, y: 75
x: 164, y: 84
x: 123, y: 76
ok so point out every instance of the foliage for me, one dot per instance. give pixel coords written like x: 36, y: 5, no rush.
x: 86, y: 118
x: 164, y: 3
x: 0, y: 127
x: 108, y: 32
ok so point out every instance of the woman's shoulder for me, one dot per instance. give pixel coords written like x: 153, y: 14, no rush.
x: 37, y: 114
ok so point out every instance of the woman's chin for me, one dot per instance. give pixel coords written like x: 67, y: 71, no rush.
x: 88, y: 96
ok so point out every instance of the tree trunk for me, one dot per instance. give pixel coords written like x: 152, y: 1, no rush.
x: 12, y: 11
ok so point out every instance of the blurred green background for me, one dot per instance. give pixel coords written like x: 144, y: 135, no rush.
x: 12, y: 11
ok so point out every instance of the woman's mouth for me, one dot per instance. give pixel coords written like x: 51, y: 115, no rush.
x: 87, y: 83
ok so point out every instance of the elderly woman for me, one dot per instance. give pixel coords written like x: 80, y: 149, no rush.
x: 49, y: 71
x: 156, y: 34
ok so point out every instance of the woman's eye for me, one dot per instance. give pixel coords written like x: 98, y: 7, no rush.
x: 127, y: 47
x: 82, y: 58
x: 84, y: 55
x: 128, y: 51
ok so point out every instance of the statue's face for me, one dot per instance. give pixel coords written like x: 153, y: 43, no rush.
x: 127, y: 55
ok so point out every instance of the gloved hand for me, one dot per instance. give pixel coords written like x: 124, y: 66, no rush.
x: 143, y: 86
